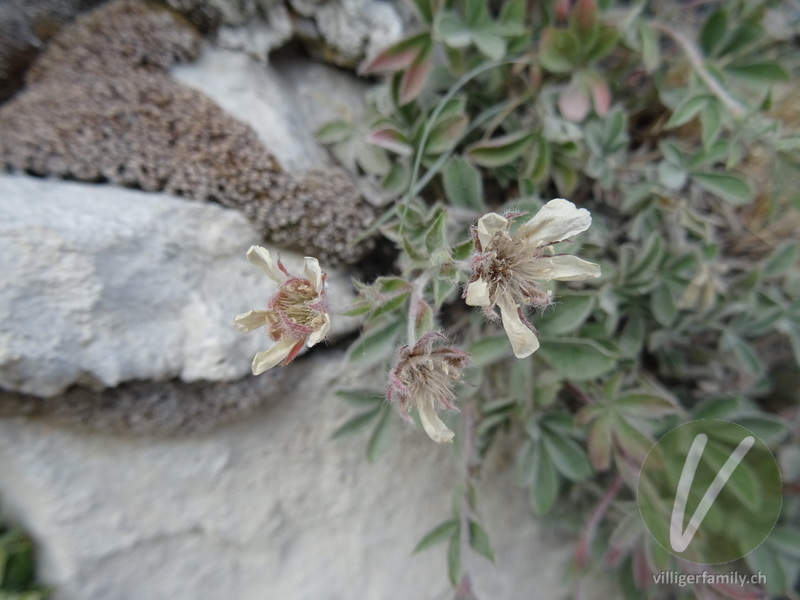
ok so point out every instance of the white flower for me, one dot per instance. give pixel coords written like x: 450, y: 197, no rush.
x: 507, y: 269
x: 297, y: 314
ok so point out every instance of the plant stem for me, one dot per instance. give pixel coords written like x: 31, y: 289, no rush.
x: 468, y: 412
x: 698, y: 63
x: 417, y: 288
x: 582, y: 550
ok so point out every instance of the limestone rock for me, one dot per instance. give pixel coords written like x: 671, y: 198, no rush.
x: 268, y: 508
x: 340, y: 31
x: 103, y: 285
x: 284, y: 102
x: 99, y: 107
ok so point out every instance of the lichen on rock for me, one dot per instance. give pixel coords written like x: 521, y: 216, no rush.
x: 99, y: 106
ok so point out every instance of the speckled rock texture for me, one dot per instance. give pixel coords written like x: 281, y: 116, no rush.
x: 103, y: 285
x: 25, y: 27
x: 269, y: 508
x: 99, y: 107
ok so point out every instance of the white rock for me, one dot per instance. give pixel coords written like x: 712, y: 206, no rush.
x: 102, y: 285
x: 352, y: 29
x: 269, y: 508
x: 285, y: 102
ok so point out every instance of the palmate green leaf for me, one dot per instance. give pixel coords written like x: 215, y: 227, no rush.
x: 357, y: 423
x: 662, y: 304
x: 454, y: 558
x: 379, y: 437
x: 479, y: 541
x: 425, y: 10
x: 463, y: 184
x: 361, y: 398
x: 558, y: 50
x: 491, y: 45
x: 782, y: 259
x: 398, y: 56
x: 651, y: 53
x: 545, y: 482
x: 375, y: 345
x: 434, y: 237
x: 442, y: 290
x: 446, y: 134
x: 437, y: 535
x: 730, y: 188
x: 645, y: 261
x: 576, y: 358
x: 605, y: 42
x: 713, y: 31
x: 501, y: 150
x: 489, y: 350
x: 687, y: 110
x: 785, y: 540
x: 335, y: 132
x: 711, y: 120
x: 568, y: 457
x: 744, y: 353
x: 763, y: 560
x: 566, y: 315
x: 391, y: 284
x: 769, y: 428
x: 671, y: 176
x: 644, y: 405
x: 758, y: 74
x: 390, y: 305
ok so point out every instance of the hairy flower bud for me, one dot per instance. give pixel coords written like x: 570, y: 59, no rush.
x: 423, y: 378
x: 297, y: 314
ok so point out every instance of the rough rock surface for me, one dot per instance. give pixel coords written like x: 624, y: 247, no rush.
x: 341, y: 31
x: 284, y: 102
x: 268, y: 508
x: 25, y: 26
x: 162, y: 408
x: 99, y: 107
x: 103, y: 285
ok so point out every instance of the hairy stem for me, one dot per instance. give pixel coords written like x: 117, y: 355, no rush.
x: 468, y: 444
x: 698, y: 64
x: 417, y: 289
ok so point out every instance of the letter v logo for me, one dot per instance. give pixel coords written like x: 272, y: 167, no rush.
x: 679, y: 538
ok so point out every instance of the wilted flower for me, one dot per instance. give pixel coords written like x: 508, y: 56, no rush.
x: 296, y: 314
x: 423, y: 377
x: 507, y: 269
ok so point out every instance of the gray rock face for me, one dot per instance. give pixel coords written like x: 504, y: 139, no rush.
x: 268, y: 508
x: 284, y: 102
x: 342, y: 31
x: 103, y: 285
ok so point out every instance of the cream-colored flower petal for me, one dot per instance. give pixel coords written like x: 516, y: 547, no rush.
x: 478, y: 293
x: 319, y: 334
x: 523, y: 341
x: 250, y: 321
x: 565, y: 267
x: 313, y: 273
x: 557, y: 220
x: 267, y: 359
x: 488, y: 225
x: 261, y: 258
x: 433, y: 425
